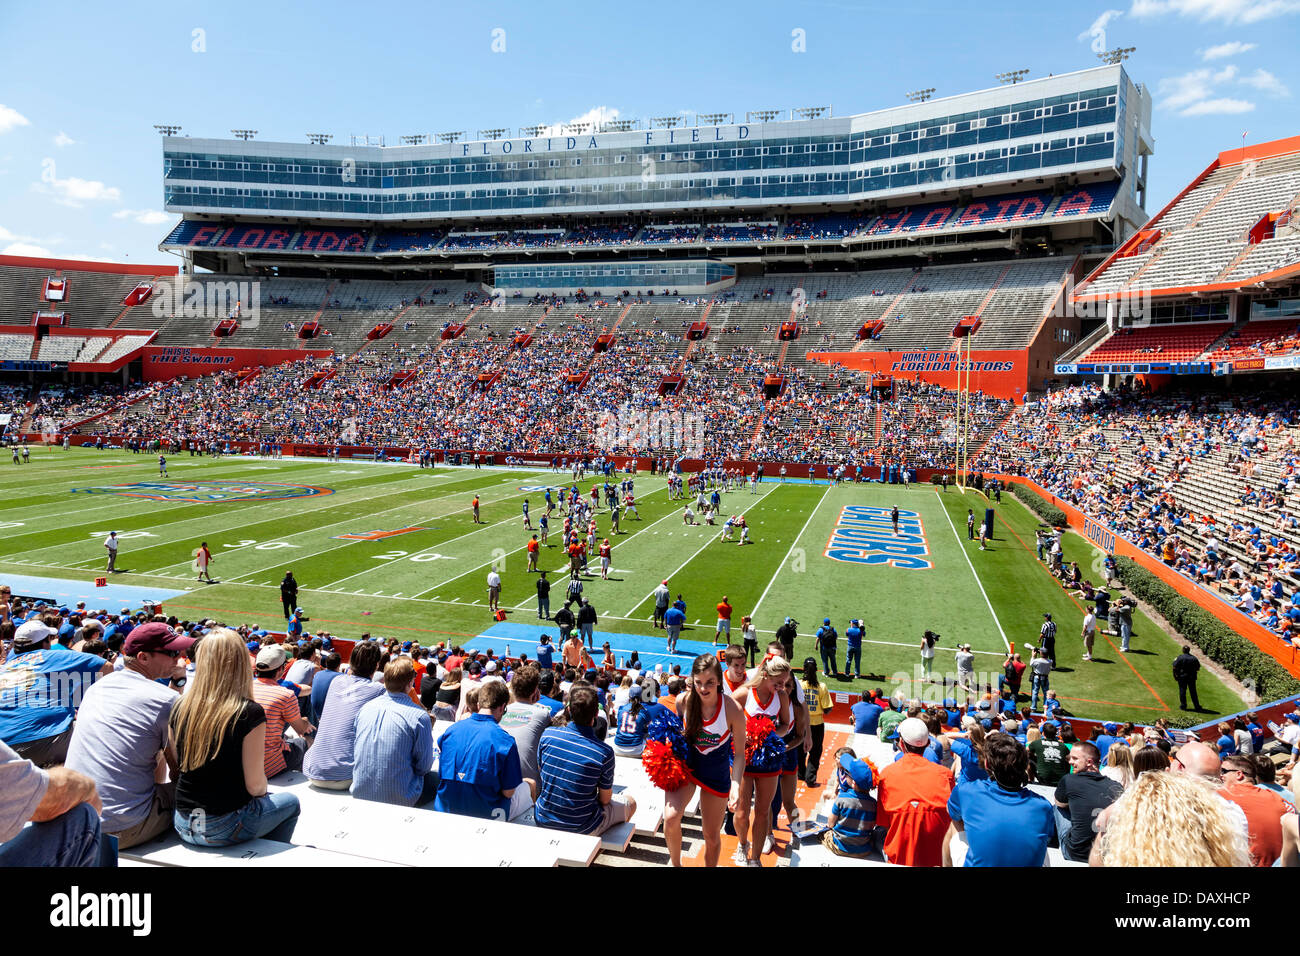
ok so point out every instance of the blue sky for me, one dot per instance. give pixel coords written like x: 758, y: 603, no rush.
x: 81, y: 167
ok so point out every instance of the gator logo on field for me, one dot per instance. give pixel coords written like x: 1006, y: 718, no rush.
x: 207, y: 491
x: 865, y: 535
x: 378, y: 535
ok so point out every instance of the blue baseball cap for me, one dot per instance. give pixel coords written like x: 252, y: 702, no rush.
x: 254, y: 647
x: 1110, y: 727
x: 826, y: 621
x: 857, y: 770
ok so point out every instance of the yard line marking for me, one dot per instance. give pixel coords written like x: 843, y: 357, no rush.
x: 793, y: 544
x: 707, y: 542
x: 978, y: 582
x: 370, y: 517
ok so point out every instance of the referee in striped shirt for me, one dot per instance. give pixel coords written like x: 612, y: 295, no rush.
x: 1047, y: 638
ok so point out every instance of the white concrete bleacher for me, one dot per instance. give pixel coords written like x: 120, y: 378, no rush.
x: 169, y: 850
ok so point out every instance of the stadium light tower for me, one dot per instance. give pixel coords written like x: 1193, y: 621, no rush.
x: 495, y: 133
x: 716, y: 119
x: 665, y: 122
x: 1011, y: 76
x: 244, y: 134
x: 571, y: 128
x: 531, y: 131
x: 414, y: 139
x: 167, y: 129
x: 319, y: 139
x: 763, y: 116
x: 1117, y: 55
x: 451, y: 137
x: 811, y: 112
x: 618, y: 126
x: 920, y: 96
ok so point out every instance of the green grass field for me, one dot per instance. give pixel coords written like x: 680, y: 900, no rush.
x: 429, y: 584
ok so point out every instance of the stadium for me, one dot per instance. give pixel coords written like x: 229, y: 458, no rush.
x: 987, y: 460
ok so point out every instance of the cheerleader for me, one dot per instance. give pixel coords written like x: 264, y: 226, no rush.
x: 714, y: 724
x: 763, y: 696
x: 794, y: 750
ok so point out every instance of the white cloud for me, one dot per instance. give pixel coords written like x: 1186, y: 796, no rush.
x: 1223, y: 50
x: 144, y: 217
x: 1227, y: 11
x: 1221, y: 106
x: 595, y: 116
x: 1098, y: 29
x: 11, y: 119
x: 1266, y: 82
x: 63, y: 139
x: 1199, y: 92
x: 74, y: 191
x: 27, y: 249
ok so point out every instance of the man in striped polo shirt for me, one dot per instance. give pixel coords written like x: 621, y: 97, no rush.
x: 577, y: 772
x: 281, y: 707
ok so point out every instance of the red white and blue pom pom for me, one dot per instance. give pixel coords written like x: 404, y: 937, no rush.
x: 764, y: 749
x: 664, y: 756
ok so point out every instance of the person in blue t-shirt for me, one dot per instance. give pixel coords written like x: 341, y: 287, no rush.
x: 547, y: 690
x: 545, y: 653
x: 41, y: 690
x: 853, y: 649
x: 866, y: 714
x: 1105, y: 739
x: 1226, y: 743
x: 1004, y: 822
x: 969, y: 746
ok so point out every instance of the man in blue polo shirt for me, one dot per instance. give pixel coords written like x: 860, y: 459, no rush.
x: 1005, y: 823
x: 577, y: 785
x: 479, y: 762
x: 1106, y: 738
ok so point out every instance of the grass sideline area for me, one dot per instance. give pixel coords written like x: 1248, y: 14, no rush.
x: 426, y: 579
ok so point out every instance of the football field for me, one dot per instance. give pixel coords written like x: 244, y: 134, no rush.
x: 392, y: 550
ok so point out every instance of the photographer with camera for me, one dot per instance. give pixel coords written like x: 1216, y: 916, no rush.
x: 786, y: 634
x: 928, y: 640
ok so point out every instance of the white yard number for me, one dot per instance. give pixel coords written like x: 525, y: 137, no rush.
x: 264, y: 546
x: 394, y: 555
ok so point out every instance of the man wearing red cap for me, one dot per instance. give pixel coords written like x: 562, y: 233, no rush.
x: 121, y: 734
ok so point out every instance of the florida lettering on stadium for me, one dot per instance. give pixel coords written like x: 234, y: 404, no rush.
x: 865, y: 535
x: 945, y: 362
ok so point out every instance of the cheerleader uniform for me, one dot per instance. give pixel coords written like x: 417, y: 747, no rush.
x: 754, y: 709
x: 790, y: 765
x: 732, y: 688
x: 708, y: 758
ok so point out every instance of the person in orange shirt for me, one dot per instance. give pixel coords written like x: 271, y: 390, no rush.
x: 532, y: 553
x: 912, y: 801
x: 477, y: 520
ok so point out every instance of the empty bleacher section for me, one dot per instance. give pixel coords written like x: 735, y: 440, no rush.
x: 1204, y: 236
x: 1183, y: 342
